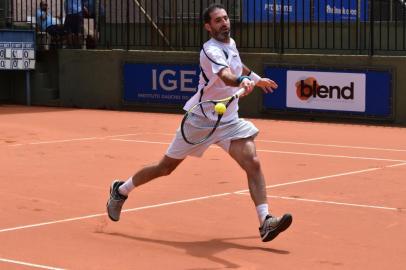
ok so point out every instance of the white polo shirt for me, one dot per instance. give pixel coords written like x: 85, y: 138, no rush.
x: 215, y: 56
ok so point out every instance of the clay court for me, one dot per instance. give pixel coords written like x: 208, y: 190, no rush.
x: 344, y: 185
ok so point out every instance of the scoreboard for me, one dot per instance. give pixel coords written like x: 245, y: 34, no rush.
x: 17, y: 50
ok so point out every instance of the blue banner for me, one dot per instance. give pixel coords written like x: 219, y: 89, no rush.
x: 27, y: 36
x: 303, y: 11
x: 162, y: 84
x: 272, y: 10
x: 363, y: 93
x: 337, y: 10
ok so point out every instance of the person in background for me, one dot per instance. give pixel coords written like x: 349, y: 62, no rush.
x: 74, y: 22
x: 46, y: 23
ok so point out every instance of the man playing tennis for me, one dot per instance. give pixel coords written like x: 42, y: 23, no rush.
x: 222, y: 74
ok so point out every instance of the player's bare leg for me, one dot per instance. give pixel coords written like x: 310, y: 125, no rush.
x: 244, y: 152
x: 164, y: 167
x: 119, y: 189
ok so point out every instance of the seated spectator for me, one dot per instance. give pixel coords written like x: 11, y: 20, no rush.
x: 74, y: 22
x: 46, y: 23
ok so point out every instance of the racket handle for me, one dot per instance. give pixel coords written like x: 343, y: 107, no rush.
x: 239, y: 93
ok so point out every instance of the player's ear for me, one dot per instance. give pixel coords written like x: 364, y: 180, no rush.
x: 207, y: 27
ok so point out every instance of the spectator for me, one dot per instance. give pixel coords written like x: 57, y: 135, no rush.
x: 74, y: 22
x: 46, y: 23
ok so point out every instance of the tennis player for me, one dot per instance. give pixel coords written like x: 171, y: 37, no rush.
x: 222, y: 74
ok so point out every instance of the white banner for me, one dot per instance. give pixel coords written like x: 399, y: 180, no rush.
x: 336, y: 91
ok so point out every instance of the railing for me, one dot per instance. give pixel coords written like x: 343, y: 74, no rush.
x: 296, y: 26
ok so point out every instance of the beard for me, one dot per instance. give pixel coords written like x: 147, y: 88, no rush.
x: 222, y: 35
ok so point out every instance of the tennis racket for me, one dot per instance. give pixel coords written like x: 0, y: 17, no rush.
x: 200, y: 122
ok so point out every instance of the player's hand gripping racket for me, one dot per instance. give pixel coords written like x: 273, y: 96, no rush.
x: 200, y: 122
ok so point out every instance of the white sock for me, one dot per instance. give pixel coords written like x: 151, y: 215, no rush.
x: 262, y: 211
x: 127, y: 187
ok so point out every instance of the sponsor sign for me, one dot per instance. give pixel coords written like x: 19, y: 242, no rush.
x: 273, y: 10
x: 362, y: 92
x: 337, y: 10
x: 304, y: 10
x: 325, y: 90
x: 158, y: 83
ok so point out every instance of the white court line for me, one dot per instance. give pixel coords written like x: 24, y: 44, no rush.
x: 56, y: 141
x: 332, y: 156
x: 172, y: 134
x: 103, y: 214
x: 122, y: 135
x: 330, y: 202
x: 140, y: 141
x: 317, y: 178
x: 188, y: 200
x: 75, y: 139
x: 280, y: 152
x: 30, y: 264
x: 165, y: 143
x: 310, y: 144
x: 333, y: 145
x: 396, y: 165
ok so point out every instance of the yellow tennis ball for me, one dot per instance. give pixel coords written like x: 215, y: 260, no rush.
x: 220, y: 108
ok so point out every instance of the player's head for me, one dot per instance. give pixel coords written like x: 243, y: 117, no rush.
x: 216, y: 22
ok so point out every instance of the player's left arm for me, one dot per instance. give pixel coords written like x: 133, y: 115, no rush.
x: 267, y: 85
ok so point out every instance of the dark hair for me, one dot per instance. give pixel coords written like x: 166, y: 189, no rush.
x: 209, y: 9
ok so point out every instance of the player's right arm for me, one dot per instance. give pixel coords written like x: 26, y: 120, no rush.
x: 213, y: 59
x: 230, y: 79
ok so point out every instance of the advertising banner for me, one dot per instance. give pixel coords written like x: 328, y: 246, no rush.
x: 337, y: 10
x: 272, y: 10
x: 304, y: 10
x: 325, y: 90
x: 160, y: 83
x: 363, y: 92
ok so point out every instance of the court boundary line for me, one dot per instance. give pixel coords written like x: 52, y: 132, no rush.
x: 172, y: 134
x: 112, y: 138
x: 329, y: 202
x: 41, y: 266
x: 332, y: 145
x: 310, y: 144
x: 319, y: 178
x: 190, y: 199
x: 105, y: 214
x: 74, y: 139
x: 277, y: 152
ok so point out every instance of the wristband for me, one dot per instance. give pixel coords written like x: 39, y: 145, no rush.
x: 253, y: 76
x: 241, y: 78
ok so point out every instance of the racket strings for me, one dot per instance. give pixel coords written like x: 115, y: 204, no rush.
x: 200, y: 122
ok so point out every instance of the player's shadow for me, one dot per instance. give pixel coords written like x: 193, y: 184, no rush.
x: 205, y: 249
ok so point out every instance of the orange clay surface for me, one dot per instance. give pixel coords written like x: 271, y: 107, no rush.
x: 344, y: 184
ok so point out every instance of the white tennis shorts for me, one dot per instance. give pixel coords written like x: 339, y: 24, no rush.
x: 222, y: 136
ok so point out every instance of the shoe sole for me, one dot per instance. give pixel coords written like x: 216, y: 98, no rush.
x: 285, y: 222
x: 107, y: 205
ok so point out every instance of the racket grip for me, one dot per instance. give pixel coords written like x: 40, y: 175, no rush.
x: 239, y: 93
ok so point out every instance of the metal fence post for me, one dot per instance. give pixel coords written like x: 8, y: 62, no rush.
x: 282, y: 27
x: 371, y: 26
x: 128, y: 25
